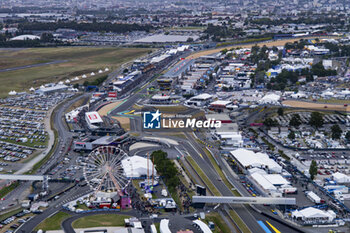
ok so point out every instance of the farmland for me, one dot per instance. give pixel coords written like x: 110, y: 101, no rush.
x: 64, y: 62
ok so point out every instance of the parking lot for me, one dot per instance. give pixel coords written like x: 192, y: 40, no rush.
x: 22, y: 128
x: 35, y: 101
x: 305, y: 118
x: 306, y: 136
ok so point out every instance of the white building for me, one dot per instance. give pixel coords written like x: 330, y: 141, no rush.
x: 341, y: 178
x: 249, y: 159
x: 199, y: 100
x: 231, y: 138
x: 48, y: 90
x: 93, y: 119
x: 164, y: 226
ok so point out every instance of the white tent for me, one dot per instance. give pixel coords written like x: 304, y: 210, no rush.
x: 327, y: 94
x: 60, y: 83
x: 92, y: 74
x: 100, y: 71
x: 12, y: 93
x: 106, y: 69
x: 250, y: 159
x: 136, y: 166
x: 26, y: 37
x: 341, y: 178
x: 67, y: 81
x: 164, y: 226
x: 313, y: 214
x: 76, y: 79
x: 270, y: 99
x: 298, y: 95
x: 32, y: 89
x: 84, y: 76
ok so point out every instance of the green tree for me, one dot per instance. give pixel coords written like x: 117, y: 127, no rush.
x: 336, y: 132
x: 280, y: 111
x: 347, y: 136
x: 190, y: 39
x: 295, y: 121
x: 291, y: 135
x: 46, y: 37
x: 316, y: 120
x: 270, y: 122
x: 224, y: 51
x: 166, y: 168
x: 313, y: 169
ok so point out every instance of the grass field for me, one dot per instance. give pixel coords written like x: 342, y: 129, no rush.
x: 53, y: 223
x: 316, y: 106
x: 78, y: 61
x: 5, y: 190
x: 102, y: 220
x: 10, y: 213
x: 242, y: 226
x: 220, y: 225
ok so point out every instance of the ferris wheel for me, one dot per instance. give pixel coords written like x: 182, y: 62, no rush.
x: 103, y: 170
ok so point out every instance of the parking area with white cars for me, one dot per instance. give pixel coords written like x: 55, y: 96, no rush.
x: 35, y: 101
x: 306, y: 136
x: 22, y: 126
x: 305, y: 118
x: 11, y: 152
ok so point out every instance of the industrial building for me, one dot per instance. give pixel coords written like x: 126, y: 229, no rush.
x: 92, y: 142
x: 51, y: 89
x: 313, y: 215
x: 199, y: 100
x: 93, y: 120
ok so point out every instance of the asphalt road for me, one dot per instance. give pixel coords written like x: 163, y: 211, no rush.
x: 64, y: 135
x: 55, y: 206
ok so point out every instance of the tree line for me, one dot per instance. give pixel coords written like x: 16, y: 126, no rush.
x: 89, y: 27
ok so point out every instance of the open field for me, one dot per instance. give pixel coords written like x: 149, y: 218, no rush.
x: 53, y: 222
x: 220, y: 224
x: 124, y: 122
x: 77, y: 61
x: 316, y: 106
x: 101, y: 220
x: 267, y: 43
x: 6, y: 190
x: 105, y: 109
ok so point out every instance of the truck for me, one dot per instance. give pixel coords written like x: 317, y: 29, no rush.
x: 313, y: 197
